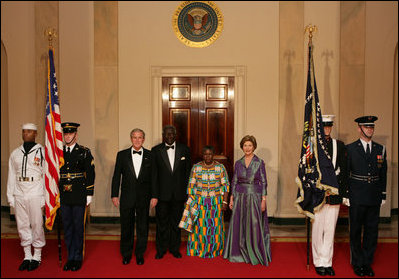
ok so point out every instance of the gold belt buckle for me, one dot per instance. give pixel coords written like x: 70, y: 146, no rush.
x: 68, y: 188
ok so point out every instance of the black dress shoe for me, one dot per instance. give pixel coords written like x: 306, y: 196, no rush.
x: 126, y: 260
x: 76, y: 265
x: 320, y: 270
x: 159, y: 255
x: 358, y: 270
x: 330, y: 271
x: 176, y: 254
x: 139, y: 260
x: 68, y: 265
x: 24, y: 265
x: 33, y: 265
x: 368, y: 271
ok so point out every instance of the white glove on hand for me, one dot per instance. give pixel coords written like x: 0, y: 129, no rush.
x: 383, y: 202
x: 89, y: 198
x: 12, y: 203
x: 345, y: 201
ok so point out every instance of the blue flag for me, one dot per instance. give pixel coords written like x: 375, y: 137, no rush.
x: 316, y: 175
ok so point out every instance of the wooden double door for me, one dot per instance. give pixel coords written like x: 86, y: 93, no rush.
x: 202, y: 110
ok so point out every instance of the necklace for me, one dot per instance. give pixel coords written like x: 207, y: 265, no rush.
x: 208, y: 166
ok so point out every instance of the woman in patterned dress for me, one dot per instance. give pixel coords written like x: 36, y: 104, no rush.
x: 207, y: 199
x: 248, y: 238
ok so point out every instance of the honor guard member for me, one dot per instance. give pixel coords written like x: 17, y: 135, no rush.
x: 367, y: 166
x: 325, y: 220
x: 76, y: 190
x: 25, y: 193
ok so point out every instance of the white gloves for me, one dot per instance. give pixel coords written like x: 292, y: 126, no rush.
x: 383, y: 202
x: 89, y: 198
x: 345, y: 201
x: 12, y: 204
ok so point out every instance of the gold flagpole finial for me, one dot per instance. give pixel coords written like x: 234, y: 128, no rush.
x: 50, y: 33
x: 310, y: 28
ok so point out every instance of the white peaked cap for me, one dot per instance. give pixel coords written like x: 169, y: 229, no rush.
x: 29, y: 126
x: 328, y: 118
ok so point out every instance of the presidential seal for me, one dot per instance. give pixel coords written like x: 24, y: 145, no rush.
x: 197, y: 23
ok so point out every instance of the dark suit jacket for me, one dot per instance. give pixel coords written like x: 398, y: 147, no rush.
x: 135, y: 191
x: 363, y: 192
x: 168, y: 184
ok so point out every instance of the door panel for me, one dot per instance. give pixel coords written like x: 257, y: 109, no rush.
x: 202, y: 110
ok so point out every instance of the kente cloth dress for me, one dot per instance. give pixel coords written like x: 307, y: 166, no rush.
x: 203, y: 215
x: 248, y: 238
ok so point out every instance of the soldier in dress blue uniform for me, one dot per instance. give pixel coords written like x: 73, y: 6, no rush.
x: 367, y: 166
x: 76, y: 190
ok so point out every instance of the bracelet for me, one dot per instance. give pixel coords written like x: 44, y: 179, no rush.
x: 225, y: 202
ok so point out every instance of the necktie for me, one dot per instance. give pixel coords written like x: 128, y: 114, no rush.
x: 170, y: 146
x: 368, y: 150
x: 68, y: 150
x: 137, y: 152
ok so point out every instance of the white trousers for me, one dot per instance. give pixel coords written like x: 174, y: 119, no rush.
x: 323, y: 230
x: 29, y: 217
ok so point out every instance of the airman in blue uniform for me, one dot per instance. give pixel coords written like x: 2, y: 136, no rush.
x: 367, y: 166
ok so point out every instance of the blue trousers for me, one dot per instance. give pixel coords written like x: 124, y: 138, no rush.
x: 73, y: 223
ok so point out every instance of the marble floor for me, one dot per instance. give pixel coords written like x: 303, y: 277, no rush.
x: 387, y: 231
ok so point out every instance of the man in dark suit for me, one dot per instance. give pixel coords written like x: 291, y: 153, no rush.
x: 170, y: 173
x: 76, y: 191
x: 133, y: 165
x: 367, y: 167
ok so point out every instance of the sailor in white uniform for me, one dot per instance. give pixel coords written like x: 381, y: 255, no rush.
x: 323, y: 228
x: 25, y: 193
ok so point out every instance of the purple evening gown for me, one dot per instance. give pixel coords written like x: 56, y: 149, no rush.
x: 248, y: 238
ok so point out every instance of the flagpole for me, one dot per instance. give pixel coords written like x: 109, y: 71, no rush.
x: 50, y: 33
x: 310, y: 28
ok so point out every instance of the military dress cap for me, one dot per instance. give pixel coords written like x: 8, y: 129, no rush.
x: 69, y: 127
x: 366, y: 120
x: 29, y: 126
x: 328, y: 119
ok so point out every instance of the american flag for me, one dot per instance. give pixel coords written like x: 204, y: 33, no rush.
x: 316, y: 174
x: 53, y: 142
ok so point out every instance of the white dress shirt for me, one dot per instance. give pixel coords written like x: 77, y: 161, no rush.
x: 70, y: 147
x: 171, y: 154
x: 137, y: 159
x: 364, y: 143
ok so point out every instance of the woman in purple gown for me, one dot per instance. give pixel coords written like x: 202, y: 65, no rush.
x: 248, y: 238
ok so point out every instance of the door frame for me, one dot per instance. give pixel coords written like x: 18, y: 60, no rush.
x: 240, y: 76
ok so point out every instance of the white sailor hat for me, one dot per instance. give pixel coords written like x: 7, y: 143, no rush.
x: 328, y: 119
x: 29, y: 126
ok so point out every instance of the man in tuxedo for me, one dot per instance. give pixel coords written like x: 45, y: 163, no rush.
x: 133, y: 165
x: 367, y: 166
x: 170, y: 173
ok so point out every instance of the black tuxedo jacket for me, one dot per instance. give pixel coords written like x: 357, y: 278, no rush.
x: 168, y: 184
x: 135, y: 191
x: 364, y: 192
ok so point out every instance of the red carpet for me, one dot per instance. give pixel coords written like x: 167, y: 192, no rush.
x: 103, y: 260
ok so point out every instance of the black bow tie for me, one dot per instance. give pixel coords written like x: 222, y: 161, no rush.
x: 136, y: 152
x: 170, y: 146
